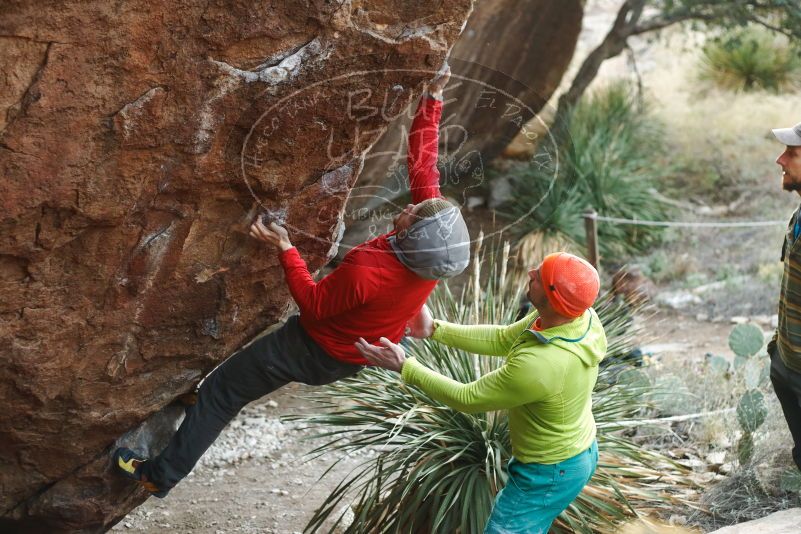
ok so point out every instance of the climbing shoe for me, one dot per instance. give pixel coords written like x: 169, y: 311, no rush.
x: 129, y: 465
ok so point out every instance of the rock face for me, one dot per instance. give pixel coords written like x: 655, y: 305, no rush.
x: 506, y: 65
x: 137, y: 142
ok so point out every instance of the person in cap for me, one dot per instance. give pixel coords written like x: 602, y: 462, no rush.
x: 785, y: 347
x: 375, y: 290
x: 546, y: 382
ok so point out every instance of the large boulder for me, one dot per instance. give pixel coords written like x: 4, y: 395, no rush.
x: 506, y: 65
x: 137, y: 141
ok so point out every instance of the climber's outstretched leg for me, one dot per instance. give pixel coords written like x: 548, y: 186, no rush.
x: 286, y: 355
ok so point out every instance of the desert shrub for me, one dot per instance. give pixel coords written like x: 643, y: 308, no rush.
x: 610, y: 160
x: 739, y: 444
x: 751, y: 59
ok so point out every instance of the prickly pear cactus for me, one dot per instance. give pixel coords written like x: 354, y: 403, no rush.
x: 753, y: 372
x: 765, y: 375
x: 745, y: 448
x: 751, y: 412
x: 746, y: 340
x: 718, y: 364
x: 634, y: 379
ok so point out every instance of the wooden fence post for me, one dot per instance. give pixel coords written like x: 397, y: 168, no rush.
x: 591, y: 229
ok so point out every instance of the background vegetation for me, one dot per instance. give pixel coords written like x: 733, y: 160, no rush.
x: 751, y: 59
x: 612, y: 160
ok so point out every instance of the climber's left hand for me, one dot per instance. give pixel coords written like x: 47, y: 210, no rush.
x: 274, y: 235
x: 388, y: 355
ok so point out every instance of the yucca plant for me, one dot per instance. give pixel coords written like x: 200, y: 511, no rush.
x: 438, y: 470
x: 615, y: 151
x: 546, y: 207
x: 610, y: 160
x: 751, y: 59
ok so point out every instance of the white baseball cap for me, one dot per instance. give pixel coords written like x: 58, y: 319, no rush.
x: 789, y: 136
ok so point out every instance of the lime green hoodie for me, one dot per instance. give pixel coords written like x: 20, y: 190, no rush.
x: 546, y: 381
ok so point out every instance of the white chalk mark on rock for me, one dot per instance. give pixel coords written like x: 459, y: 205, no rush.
x: 287, y: 69
x: 131, y: 111
x: 401, y: 33
x: 157, y: 245
x: 336, y: 181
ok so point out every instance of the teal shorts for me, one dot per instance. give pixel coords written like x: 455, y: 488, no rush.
x: 535, y: 494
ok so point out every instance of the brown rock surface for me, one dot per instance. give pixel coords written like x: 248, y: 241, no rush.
x: 137, y: 141
x: 506, y: 65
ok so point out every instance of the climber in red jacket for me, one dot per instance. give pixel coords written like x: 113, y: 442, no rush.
x: 378, y: 287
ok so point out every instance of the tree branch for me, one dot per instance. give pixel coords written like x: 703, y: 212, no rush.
x: 627, y: 23
x: 633, y: 63
x: 771, y: 27
x: 659, y: 23
x: 613, y: 44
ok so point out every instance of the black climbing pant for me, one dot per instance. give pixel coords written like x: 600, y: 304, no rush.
x: 286, y: 355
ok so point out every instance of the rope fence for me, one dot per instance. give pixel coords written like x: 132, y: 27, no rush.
x: 591, y: 219
x: 689, y: 224
x: 663, y: 420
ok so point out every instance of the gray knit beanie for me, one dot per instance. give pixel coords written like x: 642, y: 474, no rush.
x: 431, y: 206
x: 437, y: 246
